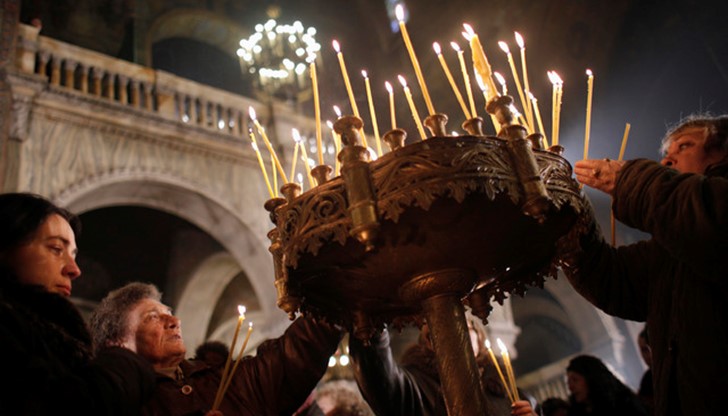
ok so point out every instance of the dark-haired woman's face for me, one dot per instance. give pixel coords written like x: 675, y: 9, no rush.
x: 49, y: 258
x: 577, y: 386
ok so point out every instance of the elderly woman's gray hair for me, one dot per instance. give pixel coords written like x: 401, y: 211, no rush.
x: 716, y: 131
x: 108, y: 322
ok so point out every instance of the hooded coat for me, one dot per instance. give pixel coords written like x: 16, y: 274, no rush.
x: 677, y: 281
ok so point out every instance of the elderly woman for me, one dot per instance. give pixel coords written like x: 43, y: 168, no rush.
x: 46, y: 347
x: 274, y: 382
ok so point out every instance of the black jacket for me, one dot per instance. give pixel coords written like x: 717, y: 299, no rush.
x: 414, y: 388
x: 47, y: 362
x: 677, y: 281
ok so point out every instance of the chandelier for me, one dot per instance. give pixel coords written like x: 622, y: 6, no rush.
x: 277, y: 56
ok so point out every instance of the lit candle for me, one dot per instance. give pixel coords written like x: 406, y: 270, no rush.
x: 295, y: 156
x: 317, y: 112
x: 345, y: 74
x: 526, y: 87
x: 466, y: 79
x: 497, y: 367
x: 538, y: 116
x: 559, y: 94
x: 484, y: 90
x: 399, y: 11
x: 275, y: 174
x: 502, y: 82
x: 413, y: 109
x: 509, y: 368
x: 438, y: 51
x: 304, y: 156
x: 261, y: 131
x: 620, y: 158
x: 260, y: 162
x: 229, y: 379
x: 480, y: 61
x: 372, y: 113
x: 225, y: 371
x: 392, y: 114
x: 337, y: 144
x: 555, y: 106
x: 589, y: 94
x: 504, y: 47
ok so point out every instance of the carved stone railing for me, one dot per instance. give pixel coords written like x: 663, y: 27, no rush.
x: 128, y: 84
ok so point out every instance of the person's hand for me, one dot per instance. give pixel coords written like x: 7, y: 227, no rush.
x: 598, y: 174
x: 522, y: 408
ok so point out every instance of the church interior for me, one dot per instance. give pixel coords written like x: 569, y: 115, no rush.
x: 135, y: 115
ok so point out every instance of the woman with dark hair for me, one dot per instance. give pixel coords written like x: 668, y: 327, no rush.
x: 46, y: 346
x: 596, y: 391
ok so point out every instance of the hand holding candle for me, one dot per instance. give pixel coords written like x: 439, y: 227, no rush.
x: 225, y: 371
x: 413, y: 109
x: 399, y: 12
x: 589, y: 93
x: 509, y: 368
x: 500, y: 373
x: 229, y: 379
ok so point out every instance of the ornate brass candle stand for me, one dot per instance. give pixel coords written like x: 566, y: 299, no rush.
x: 424, y: 228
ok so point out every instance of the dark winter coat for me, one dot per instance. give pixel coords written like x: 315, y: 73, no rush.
x: 677, y: 281
x: 276, y: 381
x: 47, y: 363
x: 414, y: 388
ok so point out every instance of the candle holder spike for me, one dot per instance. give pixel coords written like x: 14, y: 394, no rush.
x: 290, y: 191
x: 437, y: 124
x: 359, y: 189
x: 321, y: 173
x: 474, y: 126
x: 395, y: 139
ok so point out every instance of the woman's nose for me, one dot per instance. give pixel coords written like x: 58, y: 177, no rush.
x: 71, y: 269
x: 669, y: 162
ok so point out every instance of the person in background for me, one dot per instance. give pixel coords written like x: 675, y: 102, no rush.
x: 214, y: 353
x: 596, y: 391
x: 676, y: 280
x: 413, y: 388
x: 49, y: 366
x: 341, y: 398
x: 275, y: 381
x: 646, y: 391
x: 554, y: 406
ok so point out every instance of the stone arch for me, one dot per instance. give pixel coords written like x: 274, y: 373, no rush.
x: 203, y: 26
x: 194, y: 204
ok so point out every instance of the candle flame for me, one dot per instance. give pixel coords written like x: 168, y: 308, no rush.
x: 519, y: 40
x: 388, y: 86
x: 337, y: 111
x: 399, y: 12
x: 255, y: 146
x: 241, y: 310
x: 589, y: 72
x: 469, y: 30
x: 296, y: 135
x: 299, y: 176
x: 402, y: 80
x: 335, y: 44
x: 250, y: 325
x: 251, y: 112
x: 467, y: 36
x: 500, y: 78
x: 504, y: 47
x: 330, y: 124
x: 364, y: 73
x: 487, y: 343
x: 455, y: 46
x: 480, y: 82
x: 436, y: 47
x: 501, y: 346
x: 531, y: 96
